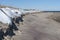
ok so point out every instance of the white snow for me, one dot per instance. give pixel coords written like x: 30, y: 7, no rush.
x: 19, y: 12
x: 11, y: 13
x: 4, y: 19
x: 8, y: 12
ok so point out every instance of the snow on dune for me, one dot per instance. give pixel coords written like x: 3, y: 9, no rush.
x: 16, y: 12
x: 11, y: 13
x: 8, y: 12
x: 4, y: 19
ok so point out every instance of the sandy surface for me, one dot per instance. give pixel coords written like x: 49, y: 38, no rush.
x: 39, y: 27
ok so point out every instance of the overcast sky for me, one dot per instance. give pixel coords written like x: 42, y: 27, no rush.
x: 36, y: 4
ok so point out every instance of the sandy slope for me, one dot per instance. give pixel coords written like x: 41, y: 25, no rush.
x: 39, y: 27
